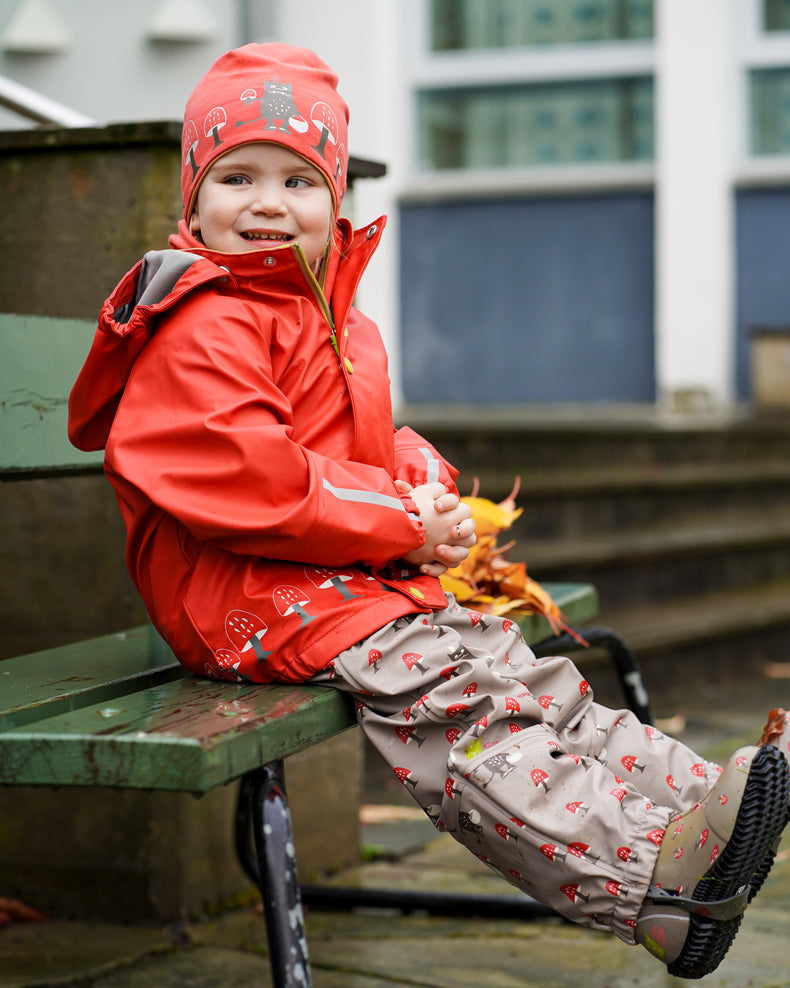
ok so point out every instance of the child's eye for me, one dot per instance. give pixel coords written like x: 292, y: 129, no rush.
x: 235, y: 180
x: 296, y: 182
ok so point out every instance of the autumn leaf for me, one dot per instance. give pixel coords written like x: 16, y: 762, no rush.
x: 774, y: 727
x: 14, y: 911
x: 487, y: 580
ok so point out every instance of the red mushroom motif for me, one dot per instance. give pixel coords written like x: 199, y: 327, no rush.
x: 374, y: 657
x: 407, y: 734
x: 450, y: 790
x: 574, y: 892
x: 630, y: 762
x: 552, y: 852
x: 412, y: 660
x: 404, y: 774
x: 478, y: 620
x: 540, y: 779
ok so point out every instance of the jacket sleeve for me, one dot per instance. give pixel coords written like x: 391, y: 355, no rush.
x: 204, y: 432
x: 417, y: 462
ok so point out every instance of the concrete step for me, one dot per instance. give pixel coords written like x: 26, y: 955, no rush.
x: 528, y: 440
x: 700, y: 644
x: 669, y: 561
x: 574, y: 503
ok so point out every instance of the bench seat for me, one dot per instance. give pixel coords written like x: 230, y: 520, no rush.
x: 118, y: 711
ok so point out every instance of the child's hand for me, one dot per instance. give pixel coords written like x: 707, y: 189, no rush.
x: 449, y: 528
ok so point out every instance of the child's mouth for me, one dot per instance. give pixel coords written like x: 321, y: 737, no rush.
x: 276, y: 237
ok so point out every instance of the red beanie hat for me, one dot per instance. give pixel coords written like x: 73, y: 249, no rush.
x: 270, y: 92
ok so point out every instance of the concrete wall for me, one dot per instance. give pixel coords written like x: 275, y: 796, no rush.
x: 81, y: 208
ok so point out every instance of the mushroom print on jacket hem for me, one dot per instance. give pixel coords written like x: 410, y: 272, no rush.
x: 566, y: 799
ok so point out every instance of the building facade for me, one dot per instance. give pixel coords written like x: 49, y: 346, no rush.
x: 587, y: 199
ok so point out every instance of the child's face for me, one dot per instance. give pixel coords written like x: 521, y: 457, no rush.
x: 258, y: 195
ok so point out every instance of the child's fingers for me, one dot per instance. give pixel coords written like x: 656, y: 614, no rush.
x: 465, y: 530
x: 448, y: 502
x: 433, y: 569
x: 450, y: 555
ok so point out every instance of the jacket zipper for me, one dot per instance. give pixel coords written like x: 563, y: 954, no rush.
x: 319, y: 297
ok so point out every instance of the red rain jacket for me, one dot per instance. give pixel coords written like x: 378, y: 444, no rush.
x: 253, y: 455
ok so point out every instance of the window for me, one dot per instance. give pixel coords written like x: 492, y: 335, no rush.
x: 770, y: 111
x: 465, y: 24
x: 507, y: 84
x: 506, y: 126
x: 776, y: 15
x: 768, y: 62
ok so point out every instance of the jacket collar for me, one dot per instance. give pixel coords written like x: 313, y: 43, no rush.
x: 284, y: 268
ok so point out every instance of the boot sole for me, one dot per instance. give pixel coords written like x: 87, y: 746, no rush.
x: 746, y: 859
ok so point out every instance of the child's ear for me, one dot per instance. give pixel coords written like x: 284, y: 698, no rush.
x: 194, y: 221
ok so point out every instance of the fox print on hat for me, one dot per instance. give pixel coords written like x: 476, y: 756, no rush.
x: 271, y: 92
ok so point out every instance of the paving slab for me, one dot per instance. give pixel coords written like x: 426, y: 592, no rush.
x: 59, y: 952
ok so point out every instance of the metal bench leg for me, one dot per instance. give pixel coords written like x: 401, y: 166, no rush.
x: 628, y: 670
x: 273, y: 869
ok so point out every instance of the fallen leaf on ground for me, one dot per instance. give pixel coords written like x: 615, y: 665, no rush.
x: 14, y: 911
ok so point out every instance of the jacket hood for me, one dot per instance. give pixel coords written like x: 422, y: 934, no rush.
x: 163, y: 278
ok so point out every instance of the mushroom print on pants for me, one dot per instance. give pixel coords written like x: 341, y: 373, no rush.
x: 511, y: 755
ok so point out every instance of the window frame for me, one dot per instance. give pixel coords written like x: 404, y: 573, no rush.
x: 427, y: 69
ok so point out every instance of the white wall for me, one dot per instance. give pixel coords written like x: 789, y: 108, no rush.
x: 108, y: 68
x: 697, y: 89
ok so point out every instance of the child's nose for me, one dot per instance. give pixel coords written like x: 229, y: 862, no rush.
x: 269, y: 199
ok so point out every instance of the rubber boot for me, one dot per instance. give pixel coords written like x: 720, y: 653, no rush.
x: 709, y: 858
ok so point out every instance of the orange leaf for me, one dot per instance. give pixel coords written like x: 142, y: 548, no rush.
x: 487, y: 580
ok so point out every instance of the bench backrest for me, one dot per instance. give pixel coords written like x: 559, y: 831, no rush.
x: 40, y: 359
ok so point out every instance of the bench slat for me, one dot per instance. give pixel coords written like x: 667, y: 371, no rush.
x: 188, y: 735
x: 70, y: 676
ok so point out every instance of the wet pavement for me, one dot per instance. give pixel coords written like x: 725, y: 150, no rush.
x: 379, y: 949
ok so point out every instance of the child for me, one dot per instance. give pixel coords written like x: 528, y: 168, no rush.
x: 280, y: 529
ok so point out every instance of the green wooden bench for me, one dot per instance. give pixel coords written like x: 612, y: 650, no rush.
x: 118, y: 711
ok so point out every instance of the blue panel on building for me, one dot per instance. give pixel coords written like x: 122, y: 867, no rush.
x: 763, y: 259
x: 529, y: 300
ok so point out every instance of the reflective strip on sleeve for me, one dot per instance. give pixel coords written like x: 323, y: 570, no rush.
x: 432, y: 465
x: 364, y: 497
